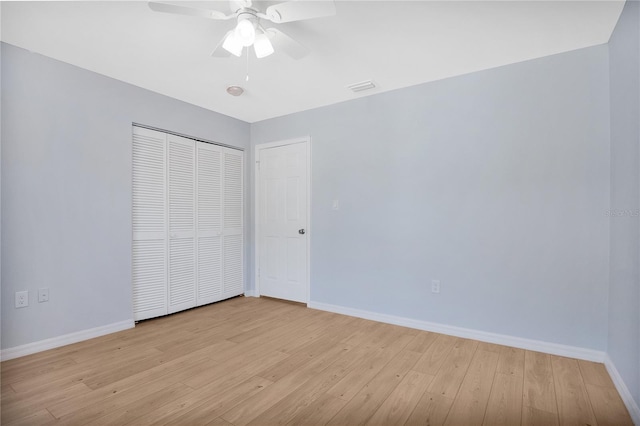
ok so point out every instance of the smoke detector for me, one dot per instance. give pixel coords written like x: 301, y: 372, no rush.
x: 235, y: 90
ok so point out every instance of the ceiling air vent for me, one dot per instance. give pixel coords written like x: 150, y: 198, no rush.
x: 363, y: 85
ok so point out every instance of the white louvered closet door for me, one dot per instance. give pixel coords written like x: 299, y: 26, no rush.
x: 187, y: 223
x: 233, y: 248
x: 182, y: 254
x: 149, y: 224
x: 209, y: 223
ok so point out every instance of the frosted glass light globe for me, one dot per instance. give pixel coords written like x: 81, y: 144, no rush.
x: 245, y: 32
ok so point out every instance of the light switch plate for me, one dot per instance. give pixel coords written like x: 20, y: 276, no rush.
x: 43, y: 295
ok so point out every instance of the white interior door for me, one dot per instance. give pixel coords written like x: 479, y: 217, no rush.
x: 282, y: 222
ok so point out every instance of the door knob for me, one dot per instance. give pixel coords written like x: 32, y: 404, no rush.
x: 301, y: 231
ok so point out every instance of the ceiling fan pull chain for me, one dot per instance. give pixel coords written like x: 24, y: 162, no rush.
x: 247, y: 79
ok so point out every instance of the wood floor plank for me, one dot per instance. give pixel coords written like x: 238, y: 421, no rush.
x: 250, y: 409
x: 319, y: 412
x: 471, y: 401
x: 573, y: 401
x: 131, y: 412
x: 511, y: 361
x: 422, y: 342
x: 435, y: 355
x: 370, y: 366
x: 233, y: 371
x: 38, y: 418
x: 396, y: 409
x: 489, y: 347
x: 14, y: 410
x: 366, y: 402
x: 306, y: 395
x: 197, y: 407
x: 211, y: 397
x: 539, y: 390
x: 166, y: 374
x: 68, y: 414
x: 608, y: 406
x: 505, y: 402
x: 79, y: 373
x: 35, y: 371
x: 238, y: 359
x: 595, y: 374
x: 264, y: 362
x: 365, y: 329
x: 218, y: 421
x: 320, y: 327
x: 432, y: 409
x: 300, y: 358
x: 450, y: 375
x: 534, y: 417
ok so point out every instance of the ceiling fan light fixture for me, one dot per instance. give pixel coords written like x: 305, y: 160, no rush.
x: 232, y: 45
x: 262, y: 46
x: 245, y: 32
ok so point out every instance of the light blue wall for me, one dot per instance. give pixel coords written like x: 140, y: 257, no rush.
x: 495, y: 183
x: 66, y: 190
x: 624, y: 293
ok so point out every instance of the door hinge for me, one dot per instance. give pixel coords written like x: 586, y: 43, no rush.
x: 258, y: 163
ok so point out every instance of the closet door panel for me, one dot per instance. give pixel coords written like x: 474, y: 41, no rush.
x: 209, y: 223
x: 233, y: 239
x: 149, y: 222
x: 233, y: 274
x: 210, y: 276
x: 182, y: 253
x: 181, y: 274
x: 149, y: 278
x: 233, y: 195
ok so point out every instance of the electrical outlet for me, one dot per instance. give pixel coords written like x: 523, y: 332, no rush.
x: 435, y: 286
x: 22, y: 299
x: 43, y: 295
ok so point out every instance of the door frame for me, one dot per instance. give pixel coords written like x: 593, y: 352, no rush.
x: 256, y: 199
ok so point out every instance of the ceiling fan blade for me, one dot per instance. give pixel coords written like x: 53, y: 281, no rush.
x: 297, y: 10
x: 284, y: 43
x: 219, y: 51
x: 186, y: 10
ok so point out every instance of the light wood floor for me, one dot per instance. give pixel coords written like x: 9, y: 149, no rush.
x: 261, y: 362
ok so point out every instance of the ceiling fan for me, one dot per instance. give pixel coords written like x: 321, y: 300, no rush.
x: 249, y: 31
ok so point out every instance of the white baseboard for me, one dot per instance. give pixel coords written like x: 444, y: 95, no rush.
x: 501, y: 339
x: 67, y: 339
x: 623, y: 390
x: 251, y: 293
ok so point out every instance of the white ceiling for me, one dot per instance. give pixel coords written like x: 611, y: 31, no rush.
x: 395, y: 43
